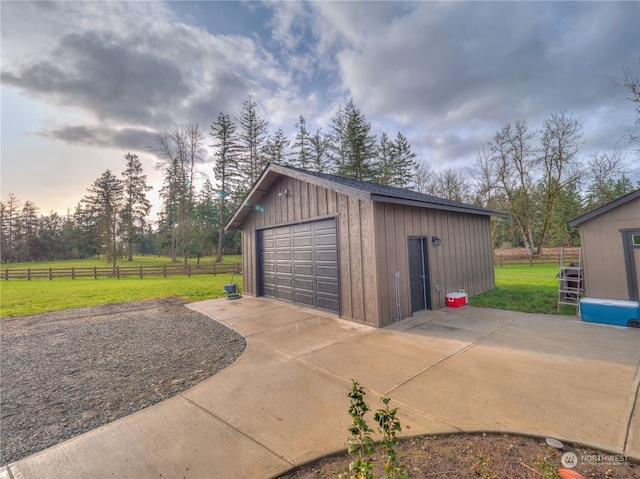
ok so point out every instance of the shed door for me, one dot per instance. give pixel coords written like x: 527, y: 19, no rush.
x: 631, y: 243
x: 299, y: 264
x: 419, y: 275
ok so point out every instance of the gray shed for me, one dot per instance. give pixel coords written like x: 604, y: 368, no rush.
x: 610, y: 241
x: 339, y: 244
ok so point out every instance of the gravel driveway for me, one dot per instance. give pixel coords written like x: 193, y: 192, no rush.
x: 67, y: 372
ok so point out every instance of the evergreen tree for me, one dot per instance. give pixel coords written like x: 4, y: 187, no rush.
x: 385, y: 161
x: 30, y: 241
x: 253, y: 132
x: 302, y: 156
x: 136, y: 205
x: 319, y: 152
x: 206, y: 220
x: 11, y: 228
x: 226, y: 171
x: 403, y: 162
x: 86, y: 230
x: 353, y: 145
x: 105, y: 201
x: 276, y: 149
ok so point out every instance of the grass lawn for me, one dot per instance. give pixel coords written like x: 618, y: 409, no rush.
x: 532, y: 289
x: 518, y: 288
x: 21, y: 297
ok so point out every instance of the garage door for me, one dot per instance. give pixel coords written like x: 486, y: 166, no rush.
x: 299, y: 264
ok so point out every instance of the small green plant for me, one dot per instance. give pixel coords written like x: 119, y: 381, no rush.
x: 483, y: 468
x: 361, y: 443
x: 388, y: 425
x: 549, y: 471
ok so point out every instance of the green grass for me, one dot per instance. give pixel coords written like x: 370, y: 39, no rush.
x: 531, y: 289
x: 21, y: 297
x: 101, y: 263
x: 518, y: 288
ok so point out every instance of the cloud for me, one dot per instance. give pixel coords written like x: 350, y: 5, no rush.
x: 130, y: 139
x: 137, y: 64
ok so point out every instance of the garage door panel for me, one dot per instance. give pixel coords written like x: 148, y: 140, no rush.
x: 284, y: 280
x: 327, y: 271
x: 308, y: 299
x: 302, y: 241
x: 328, y: 239
x: 283, y: 243
x: 303, y: 270
x: 327, y: 288
x: 282, y: 267
x: 302, y: 227
x: 269, y: 267
x: 327, y: 256
x: 303, y: 256
x: 285, y: 255
x: 300, y: 264
x: 330, y: 304
x: 305, y: 285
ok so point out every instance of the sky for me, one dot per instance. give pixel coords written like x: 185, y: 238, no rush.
x: 84, y: 83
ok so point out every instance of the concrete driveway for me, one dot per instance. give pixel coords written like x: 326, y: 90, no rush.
x: 284, y: 401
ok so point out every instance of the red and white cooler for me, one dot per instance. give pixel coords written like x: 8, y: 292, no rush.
x: 457, y: 300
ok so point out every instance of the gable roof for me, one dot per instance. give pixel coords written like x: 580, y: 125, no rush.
x: 362, y: 190
x: 603, y: 209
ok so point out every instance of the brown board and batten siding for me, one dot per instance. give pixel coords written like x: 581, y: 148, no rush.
x: 463, y: 260
x: 369, y: 228
x: 610, y: 272
x: 307, y: 202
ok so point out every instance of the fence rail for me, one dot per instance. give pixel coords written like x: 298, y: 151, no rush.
x: 500, y: 260
x: 119, y: 271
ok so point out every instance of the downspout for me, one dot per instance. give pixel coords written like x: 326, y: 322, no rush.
x: 398, y: 309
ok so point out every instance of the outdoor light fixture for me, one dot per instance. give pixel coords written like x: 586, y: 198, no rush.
x: 435, y: 240
x: 284, y: 193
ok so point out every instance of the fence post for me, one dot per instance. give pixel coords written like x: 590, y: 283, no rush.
x: 188, y: 270
x: 140, y: 272
x: 6, y: 274
x: 164, y: 270
x: 531, y: 261
x: 118, y: 272
x: 214, y: 269
x: 73, y: 273
x: 95, y: 273
x: 50, y: 274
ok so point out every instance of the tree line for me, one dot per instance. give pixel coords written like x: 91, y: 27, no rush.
x: 536, y: 176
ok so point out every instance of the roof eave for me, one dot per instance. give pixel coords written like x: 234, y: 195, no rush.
x: 605, y: 208
x: 437, y: 206
x: 271, y: 173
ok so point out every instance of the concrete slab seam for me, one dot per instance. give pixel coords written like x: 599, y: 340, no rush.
x: 8, y: 469
x: 634, y: 404
x: 237, y: 430
x: 455, y: 353
x: 404, y: 406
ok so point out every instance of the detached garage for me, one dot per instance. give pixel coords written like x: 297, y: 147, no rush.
x: 369, y: 253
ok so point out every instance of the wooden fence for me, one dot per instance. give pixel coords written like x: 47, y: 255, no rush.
x: 557, y: 259
x: 119, y: 271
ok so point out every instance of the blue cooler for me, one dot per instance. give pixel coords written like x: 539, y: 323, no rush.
x: 610, y: 311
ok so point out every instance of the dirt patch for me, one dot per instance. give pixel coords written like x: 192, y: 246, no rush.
x: 487, y: 456
x: 67, y: 372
